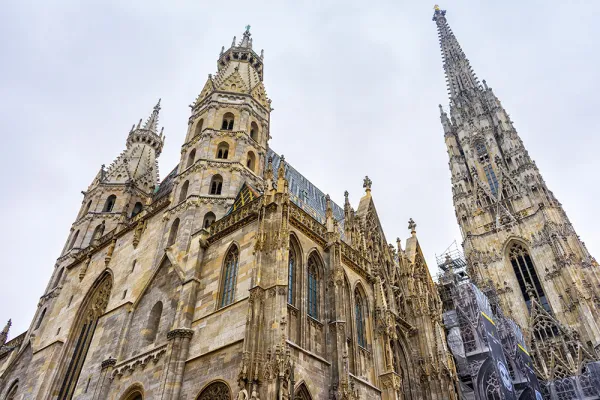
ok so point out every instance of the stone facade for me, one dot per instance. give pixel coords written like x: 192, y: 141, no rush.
x: 234, y: 277
x: 517, y: 238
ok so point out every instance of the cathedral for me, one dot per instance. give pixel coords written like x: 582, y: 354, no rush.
x: 519, y: 244
x: 234, y: 277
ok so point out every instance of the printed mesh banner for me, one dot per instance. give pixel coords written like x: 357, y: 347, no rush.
x: 495, y: 345
x: 523, y: 359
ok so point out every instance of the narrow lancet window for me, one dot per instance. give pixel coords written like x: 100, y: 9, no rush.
x: 229, y: 278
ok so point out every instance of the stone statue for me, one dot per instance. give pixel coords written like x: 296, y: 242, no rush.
x: 243, y: 393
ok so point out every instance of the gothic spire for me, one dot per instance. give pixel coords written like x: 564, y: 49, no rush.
x: 152, y: 122
x: 459, y: 74
x: 4, y: 333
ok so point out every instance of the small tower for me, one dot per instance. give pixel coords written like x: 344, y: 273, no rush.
x: 228, y: 134
x: 120, y: 192
x: 516, y: 235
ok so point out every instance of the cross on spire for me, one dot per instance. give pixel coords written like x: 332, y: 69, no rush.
x: 367, y: 183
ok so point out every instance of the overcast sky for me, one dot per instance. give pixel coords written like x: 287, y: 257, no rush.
x: 355, y: 87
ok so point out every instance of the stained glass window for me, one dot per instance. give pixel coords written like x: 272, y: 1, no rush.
x: 291, y: 272
x: 313, y: 288
x: 229, y: 277
x: 526, y: 276
x: 491, y: 178
x: 360, y: 319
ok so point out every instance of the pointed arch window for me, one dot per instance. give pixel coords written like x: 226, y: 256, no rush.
x: 199, y: 127
x: 250, y: 161
x: 98, y: 232
x: 184, y: 191
x: 527, y: 277
x: 40, y: 319
x: 73, y: 240
x: 229, y: 278
x: 59, y: 277
x: 313, y: 287
x: 227, y: 124
x: 12, y: 392
x: 254, y: 131
x: 491, y: 178
x: 93, y: 306
x: 191, y: 158
x: 173, y: 232
x: 87, y: 207
x: 359, y: 315
x: 216, y: 184
x: 223, y: 150
x: 110, y: 203
x: 291, y: 275
x: 209, y: 218
x: 153, y: 322
x: 137, y: 208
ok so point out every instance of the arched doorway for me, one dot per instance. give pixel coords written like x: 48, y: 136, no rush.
x: 80, y: 337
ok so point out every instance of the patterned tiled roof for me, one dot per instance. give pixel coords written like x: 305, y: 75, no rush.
x: 302, y: 192
x: 165, y: 186
x: 306, y: 195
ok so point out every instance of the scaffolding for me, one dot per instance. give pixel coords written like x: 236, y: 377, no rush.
x: 453, y: 258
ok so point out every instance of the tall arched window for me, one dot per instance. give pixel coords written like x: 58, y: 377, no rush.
x: 80, y: 337
x: 250, y: 161
x: 184, y: 191
x: 153, y: 322
x: 223, y: 150
x: 529, y: 282
x: 209, y: 218
x: 59, y: 277
x: 490, y: 175
x: 173, y: 232
x: 137, y: 209
x: 229, y: 277
x: 87, y: 207
x: 191, y: 158
x: 254, y: 131
x: 73, y: 240
x: 227, y: 124
x: 199, y: 127
x: 313, y: 287
x: 359, y: 315
x: 40, y: 319
x: 98, y: 232
x: 291, y: 275
x: 216, y: 184
x: 110, y: 203
x: 12, y: 392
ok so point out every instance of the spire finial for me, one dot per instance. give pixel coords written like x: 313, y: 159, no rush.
x: 412, y: 226
x: 246, y: 41
x: 4, y: 333
x: 152, y: 122
x: 281, y: 169
x: 367, y: 183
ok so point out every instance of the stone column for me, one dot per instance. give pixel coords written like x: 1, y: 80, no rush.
x: 180, y: 345
x: 103, y: 384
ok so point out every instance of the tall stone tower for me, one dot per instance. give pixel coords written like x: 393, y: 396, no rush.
x: 516, y: 235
